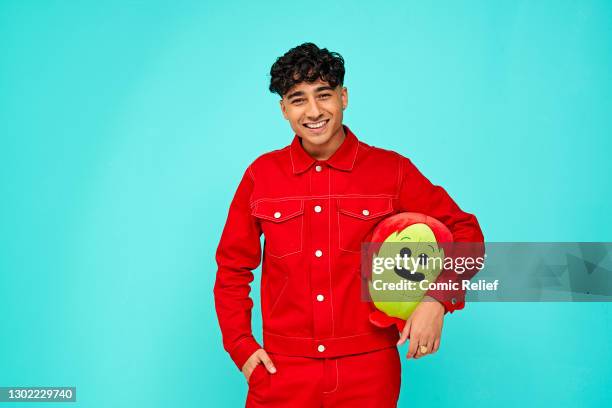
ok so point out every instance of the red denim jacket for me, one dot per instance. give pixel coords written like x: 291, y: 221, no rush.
x: 314, y: 215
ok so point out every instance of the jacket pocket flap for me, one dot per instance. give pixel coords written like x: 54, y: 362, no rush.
x: 365, y: 208
x: 278, y: 211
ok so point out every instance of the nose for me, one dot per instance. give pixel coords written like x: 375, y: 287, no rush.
x: 313, y: 112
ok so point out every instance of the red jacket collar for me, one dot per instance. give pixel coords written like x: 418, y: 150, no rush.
x: 342, y: 159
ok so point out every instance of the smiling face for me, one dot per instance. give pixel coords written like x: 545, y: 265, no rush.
x: 418, y: 244
x: 314, y: 111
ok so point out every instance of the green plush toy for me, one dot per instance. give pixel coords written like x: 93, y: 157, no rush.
x: 416, y: 243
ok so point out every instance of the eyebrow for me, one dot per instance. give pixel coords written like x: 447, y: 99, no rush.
x: 319, y: 89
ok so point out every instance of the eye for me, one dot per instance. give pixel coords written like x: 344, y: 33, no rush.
x: 297, y: 101
x: 423, y: 258
x: 324, y: 96
x: 405, y: 252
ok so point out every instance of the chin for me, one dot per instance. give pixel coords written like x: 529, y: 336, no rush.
x: 316, y: 140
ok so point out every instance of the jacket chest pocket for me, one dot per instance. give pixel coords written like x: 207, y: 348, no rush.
x: 357, y: 217
x: 282, y: 223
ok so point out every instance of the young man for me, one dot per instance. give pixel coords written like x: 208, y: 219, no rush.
x: 315, y: 200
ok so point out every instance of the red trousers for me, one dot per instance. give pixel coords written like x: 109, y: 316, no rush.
x: 358, y: 381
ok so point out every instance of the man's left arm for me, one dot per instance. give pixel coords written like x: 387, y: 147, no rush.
x: 418, y: 194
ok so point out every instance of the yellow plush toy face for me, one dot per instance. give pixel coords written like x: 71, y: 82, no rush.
x: 420, y: 263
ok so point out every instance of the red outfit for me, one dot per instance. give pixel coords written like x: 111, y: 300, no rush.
x: 314, y: 215
x: 366, y: 380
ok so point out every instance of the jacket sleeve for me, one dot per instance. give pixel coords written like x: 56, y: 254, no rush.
x: 238, y: 253
x: 418, y: 194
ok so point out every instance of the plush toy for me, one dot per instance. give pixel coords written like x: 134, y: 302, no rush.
x: 419, y: 240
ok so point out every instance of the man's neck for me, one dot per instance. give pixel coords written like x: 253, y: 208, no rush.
x: 325, y: 151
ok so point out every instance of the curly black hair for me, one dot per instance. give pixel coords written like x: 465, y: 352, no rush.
x: 306, y: 62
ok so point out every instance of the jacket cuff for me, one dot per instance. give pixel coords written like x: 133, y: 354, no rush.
x: 243, y: 350
x: 451, y: 299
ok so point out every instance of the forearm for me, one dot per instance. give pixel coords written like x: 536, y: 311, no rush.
x: 234, y: 309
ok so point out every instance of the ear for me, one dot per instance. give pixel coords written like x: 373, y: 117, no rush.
x: 283, y: 109
x: 344, y: 96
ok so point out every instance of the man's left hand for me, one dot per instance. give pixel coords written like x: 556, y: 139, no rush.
x: 424, y: 328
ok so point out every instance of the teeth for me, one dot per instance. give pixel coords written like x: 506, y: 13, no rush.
x: 316, y: 125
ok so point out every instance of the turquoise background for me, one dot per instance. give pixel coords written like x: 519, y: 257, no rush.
x: 126, y: 127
